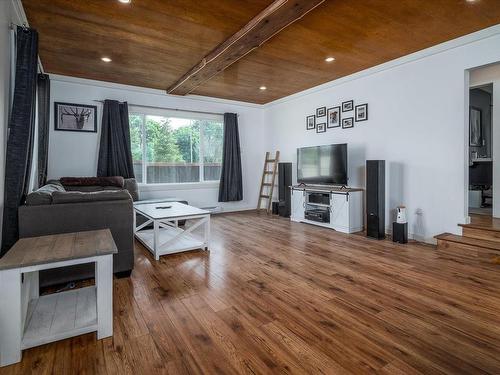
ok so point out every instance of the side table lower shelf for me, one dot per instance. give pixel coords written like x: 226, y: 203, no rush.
x: 59, y: 316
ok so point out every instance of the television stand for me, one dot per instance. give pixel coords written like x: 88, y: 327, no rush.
x: 335, y: 207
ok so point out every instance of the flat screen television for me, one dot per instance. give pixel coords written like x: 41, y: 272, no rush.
x: 322, y: 165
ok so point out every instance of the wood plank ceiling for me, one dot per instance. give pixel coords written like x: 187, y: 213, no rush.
x: 153, y: 43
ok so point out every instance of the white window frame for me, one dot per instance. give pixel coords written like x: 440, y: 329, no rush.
x: 143, y: 112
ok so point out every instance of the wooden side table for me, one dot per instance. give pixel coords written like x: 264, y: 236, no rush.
x: 27, y: 319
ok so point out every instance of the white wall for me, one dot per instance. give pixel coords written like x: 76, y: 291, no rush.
x: 481, y: 76
x: 75, y: 154
x: 417, y: 123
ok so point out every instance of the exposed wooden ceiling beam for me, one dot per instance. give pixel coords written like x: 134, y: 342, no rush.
x: 261, y: 28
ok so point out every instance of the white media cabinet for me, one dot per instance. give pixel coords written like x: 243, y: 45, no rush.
x: 344, y: 206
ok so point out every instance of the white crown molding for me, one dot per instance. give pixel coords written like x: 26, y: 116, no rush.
x: 19, y: 11
x: 439, y: 48
x: 145, y: 90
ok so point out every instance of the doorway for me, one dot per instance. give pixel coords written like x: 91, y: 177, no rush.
x: 481, y: 150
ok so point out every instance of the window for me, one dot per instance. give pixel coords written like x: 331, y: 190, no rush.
x: 175, y: 147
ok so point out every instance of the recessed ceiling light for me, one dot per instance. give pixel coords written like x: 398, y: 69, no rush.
x: 263, y: 87
x: 330, y: 59
x: 125, y: 1
x: 106, y: 59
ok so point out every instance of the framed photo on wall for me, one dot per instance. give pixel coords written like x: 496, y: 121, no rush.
x: 321, y: 128
x: 361, y: 112
x: 310, y: 122
x: 333, y: 117
x: 475, y: 127
x: 348, y: 122
x: 348, y: 106
x: 320, y: 112
x: 75, y: 117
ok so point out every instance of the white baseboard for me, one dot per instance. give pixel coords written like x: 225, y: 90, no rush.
x: 414, y: 237
x: 226, y: 209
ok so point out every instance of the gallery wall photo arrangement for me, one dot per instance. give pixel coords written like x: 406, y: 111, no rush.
x: 333, y: 117
x: 361, y: 112
x: 311, y: 122
x: 75, y: 117
x: 336, y: 117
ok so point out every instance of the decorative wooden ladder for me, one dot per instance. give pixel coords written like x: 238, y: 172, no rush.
x: 270, y: 169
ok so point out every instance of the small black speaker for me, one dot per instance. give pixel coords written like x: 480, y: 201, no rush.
x: 284, y: 192
x: 400, y: 232
x: 275, y: 206
x: 375, y: 198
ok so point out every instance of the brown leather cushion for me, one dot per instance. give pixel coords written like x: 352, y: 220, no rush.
x: 85, y: 189
x: 80, y: 197
x: 117, y: 181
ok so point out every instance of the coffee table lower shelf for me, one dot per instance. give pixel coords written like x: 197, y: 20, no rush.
x: 185, y: 243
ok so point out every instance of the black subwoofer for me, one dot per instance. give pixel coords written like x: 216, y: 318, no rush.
x: 375, y: 198
x: 275, y: 206
x: 400, y: 232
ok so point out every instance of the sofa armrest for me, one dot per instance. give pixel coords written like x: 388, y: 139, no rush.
x: 132, y: 187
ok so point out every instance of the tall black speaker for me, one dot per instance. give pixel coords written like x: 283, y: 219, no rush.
x: 375, y: 198
x: 284, y: 192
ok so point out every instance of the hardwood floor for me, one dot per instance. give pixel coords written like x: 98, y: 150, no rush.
x: 279, y: 297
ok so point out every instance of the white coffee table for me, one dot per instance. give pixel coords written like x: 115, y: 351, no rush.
x: 167, y: 237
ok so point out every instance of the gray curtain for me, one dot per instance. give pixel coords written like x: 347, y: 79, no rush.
x: 20, y: 134
x: 43, y: 86
x: 115, y: 155
x: 231, y: 182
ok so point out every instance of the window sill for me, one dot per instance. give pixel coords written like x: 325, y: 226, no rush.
x: 179, y: 186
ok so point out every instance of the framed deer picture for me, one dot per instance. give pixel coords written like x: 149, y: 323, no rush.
x: 75, y: 117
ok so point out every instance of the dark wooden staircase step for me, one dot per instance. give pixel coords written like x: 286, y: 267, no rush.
x: 485, y: 251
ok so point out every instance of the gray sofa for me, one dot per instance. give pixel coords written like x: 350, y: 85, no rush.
x: 58, y: 208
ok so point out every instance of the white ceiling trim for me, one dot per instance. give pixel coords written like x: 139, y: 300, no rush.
x: 146, y: 90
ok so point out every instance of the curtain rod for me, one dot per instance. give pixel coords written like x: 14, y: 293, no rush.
x: 169, y: 109
x: 13, y: 25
